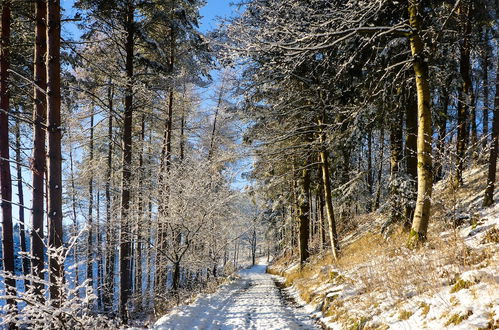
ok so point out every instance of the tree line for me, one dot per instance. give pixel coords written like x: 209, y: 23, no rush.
x: 122, y: 167
x: 362, y: 106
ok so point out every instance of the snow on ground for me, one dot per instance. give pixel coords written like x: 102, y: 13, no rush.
x: 251, y: 302
x: 433, y: 288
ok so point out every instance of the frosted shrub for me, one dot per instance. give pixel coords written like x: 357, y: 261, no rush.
x: 36, y: 311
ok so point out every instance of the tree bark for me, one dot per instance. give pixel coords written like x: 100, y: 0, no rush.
x: 39, y: 162
x: 166, y: 156
x: 110, y: 256
x: 485, y: 106
x: 464, y: 93
x: 442, y: 132
x: 20, y: 194
x: 99, y: 250
x: 395, y: 160
x: 125, y: 239
x: 214, y: 128
x: 328, y: 198
x: 491, y: 177
x: 73, y: 208
x: 176, y: 277
x: 54, y: 160
x: 90, y: 248
x: 425, y: 178
x: 370, y: 178
x: 253, y: 247
x: 303, y: 213
x: 395, y: 144
x: 377, y: 198
x: 5, y: 175
x: 140, y: 216
x: 411, y: 124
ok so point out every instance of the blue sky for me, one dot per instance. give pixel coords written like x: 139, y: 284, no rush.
x: 210, y: 12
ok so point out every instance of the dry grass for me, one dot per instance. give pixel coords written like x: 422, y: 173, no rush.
x: 456, y: 319
x: 399, y: 272
x: 381, y: 270
x: 491, y: 236
x: 385, y: 272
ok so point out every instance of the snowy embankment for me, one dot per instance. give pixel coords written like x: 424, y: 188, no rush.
x: 450, y: 283
x: 252, y: 301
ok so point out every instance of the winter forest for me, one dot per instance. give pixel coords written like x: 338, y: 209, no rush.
x: 277, y: 164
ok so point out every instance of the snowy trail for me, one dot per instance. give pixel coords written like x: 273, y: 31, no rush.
x: 251, y: 302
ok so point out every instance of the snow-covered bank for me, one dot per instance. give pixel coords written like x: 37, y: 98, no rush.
x: 250, y: 302
x: 450, y: 283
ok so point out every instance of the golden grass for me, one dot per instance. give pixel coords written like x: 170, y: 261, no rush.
x: 456, y: 319
x: 491, y: 236
x: 405, y: 315
x: 382, y: 268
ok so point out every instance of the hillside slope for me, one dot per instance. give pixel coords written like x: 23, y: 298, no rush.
x: 378, y: 283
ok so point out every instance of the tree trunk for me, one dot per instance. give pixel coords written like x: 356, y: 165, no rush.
x: 326, y: 189
x: 54, y: 160
x: 395, y: 144
x: 217, y: 110
x: 90, y: 248
x: 322, y: 219
x: 303, y: 214
x: 485, y: 106
x: 474, y: 133
x: 377, y: 198
x: 294, y: 213
x: 98, y: 251
x: 73, y: 208
x: 38, y: 166
x: 110, y: 256
x: 442, y: 132
x: 411, y: 124
x: 425, y: 179
x: 395, y: 159
x: 166, y: 156
x: 491, y: 177
x: 20, y: 194
x: 5, y: 176
x: 176, y: 277
x: 370, y: 178
x: 125, y: 239
x: 140, y: 217
x: 464, y: 93
x: 182, y: 136
x: 253, y: 246
x: 150, y: 228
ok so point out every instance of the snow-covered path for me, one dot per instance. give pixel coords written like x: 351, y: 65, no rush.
x: 251, y: 302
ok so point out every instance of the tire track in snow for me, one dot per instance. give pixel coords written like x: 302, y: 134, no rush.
x: 252, y: 302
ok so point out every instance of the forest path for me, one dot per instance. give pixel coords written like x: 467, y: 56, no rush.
x: 251, y: 302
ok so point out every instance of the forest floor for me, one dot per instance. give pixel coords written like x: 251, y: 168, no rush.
x: 252, y: 301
